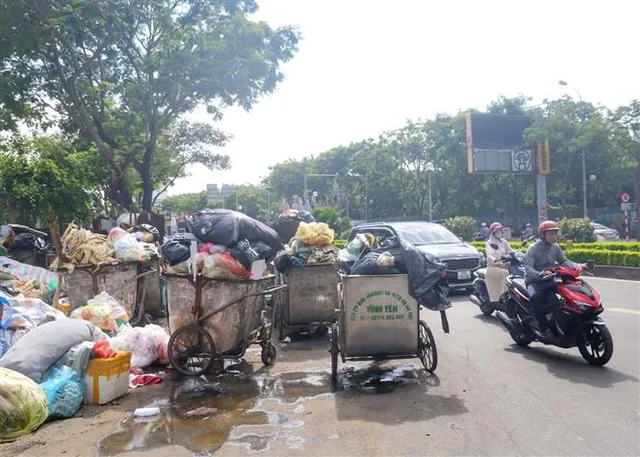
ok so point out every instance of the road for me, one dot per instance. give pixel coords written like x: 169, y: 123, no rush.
x: 488, y: 398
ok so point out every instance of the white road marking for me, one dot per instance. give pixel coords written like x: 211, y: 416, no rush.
x: 623, y: 310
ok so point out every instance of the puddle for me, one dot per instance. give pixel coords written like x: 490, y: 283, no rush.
x: 234, y: 397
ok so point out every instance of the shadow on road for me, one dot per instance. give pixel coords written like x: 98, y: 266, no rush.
x: 489, y: 320
x: 573, y: 367
x: 373, y: 394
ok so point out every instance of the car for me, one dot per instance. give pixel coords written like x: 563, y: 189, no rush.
x: 462, y: 259
x: 604, y: 233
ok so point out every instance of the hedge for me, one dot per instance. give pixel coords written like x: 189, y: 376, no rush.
x: 613, y: 253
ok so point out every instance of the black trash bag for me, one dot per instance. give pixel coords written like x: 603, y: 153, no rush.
x: 282, y: 262
x: 226, y: 227
x: 24, y: 241
x: 148, y: 228
x: 426, y: 280
x: 367, y: 265
x: 244, y: 253
x: 264, y: 251
x: 174, y: 252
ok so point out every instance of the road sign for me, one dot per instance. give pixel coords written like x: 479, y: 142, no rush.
x: 626, y: 206
x: 625, y: 197
x: 521, y: 161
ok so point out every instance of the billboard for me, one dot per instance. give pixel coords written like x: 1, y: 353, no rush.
x: 495, y: 144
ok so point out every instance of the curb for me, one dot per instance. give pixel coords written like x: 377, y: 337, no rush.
x: 607, y: 271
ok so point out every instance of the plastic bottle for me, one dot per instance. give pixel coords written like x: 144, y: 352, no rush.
x: 146, y: 412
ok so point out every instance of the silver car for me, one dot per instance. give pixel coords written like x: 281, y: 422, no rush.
x: 604, y: 233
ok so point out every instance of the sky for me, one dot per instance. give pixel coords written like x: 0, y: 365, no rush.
x: 365, y: 67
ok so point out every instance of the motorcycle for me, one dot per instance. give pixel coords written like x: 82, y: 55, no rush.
x: 480, y: 295
x: 573, y: 312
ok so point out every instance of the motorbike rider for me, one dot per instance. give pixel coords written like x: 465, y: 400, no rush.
x: 497, y: 270
x: 541, y: 256
x: 527, y: 232
x: 484, y: 232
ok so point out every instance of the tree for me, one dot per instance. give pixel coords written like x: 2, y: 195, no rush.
x: 46, y: 177
x: 123, y: 74
x: 627, y: 123
x: 185, y: 203
x: 254, y: 201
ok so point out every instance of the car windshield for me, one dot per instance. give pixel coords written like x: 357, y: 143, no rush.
x: 419, y: 235
x: 599, y: 227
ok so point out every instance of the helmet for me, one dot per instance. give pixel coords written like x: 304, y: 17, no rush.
x: 548, y: 226
x: 483, y: 224
x: 528, y: 224
x: 495, y: 226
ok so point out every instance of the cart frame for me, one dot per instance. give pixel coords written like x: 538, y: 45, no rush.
x: 201, y: 344
x: 310, y: 300
x: 407, y: 336
x: 82, y: 290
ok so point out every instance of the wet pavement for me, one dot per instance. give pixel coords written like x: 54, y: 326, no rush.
x: 239, y: 397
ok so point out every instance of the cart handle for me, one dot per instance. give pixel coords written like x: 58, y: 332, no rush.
x: 236, y: 300
x: 340, y: 288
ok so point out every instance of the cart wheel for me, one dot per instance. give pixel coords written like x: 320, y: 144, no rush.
x: 427, y: 348
x: 191, y: 350
x: 268, y: 353
x: 334, y: 351
x: 322, y: 330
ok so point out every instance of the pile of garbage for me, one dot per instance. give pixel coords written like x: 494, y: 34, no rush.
x: 287, y: 223
x: 312, y: 244
x: 367, y: 255
x: 49, y: 362
x: 18, y: 278
x: 83, y: 247
x: 226, y: 246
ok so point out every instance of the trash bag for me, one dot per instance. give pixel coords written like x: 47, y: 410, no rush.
x: 24, y: 241
x: 65, y: 391
x: 128, y: 249
x: 115, y: 234
x: 425, y: 272
x: 264, y: 251
x: 182, y: 268
x: 162, y: 339
x: 78, y: 356
x: 150, y: 234
x: 36, y: 351
x: 23, y: 405
x: 174, y: 252
x: 314, y: 234
x: 368, y: 265
x: 244, y: 253
x: 224, y: 266
x: 104, y: 312
x: 226, y: 227
x: 142, y: 344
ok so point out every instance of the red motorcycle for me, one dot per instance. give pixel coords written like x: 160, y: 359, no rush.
x: 573, y: 311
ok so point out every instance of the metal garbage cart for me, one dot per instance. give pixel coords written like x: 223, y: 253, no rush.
x: 310, y: 298
x: 118, y: 279
x: 379, y: 319
x: 212, y: 319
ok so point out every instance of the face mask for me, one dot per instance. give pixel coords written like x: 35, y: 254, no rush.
x: 498, y: 234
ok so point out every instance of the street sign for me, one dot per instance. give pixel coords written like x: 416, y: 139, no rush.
x: 626, y: 206
x: 625, y: 197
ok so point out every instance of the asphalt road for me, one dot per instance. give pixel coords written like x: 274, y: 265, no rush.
x: 489, y: 397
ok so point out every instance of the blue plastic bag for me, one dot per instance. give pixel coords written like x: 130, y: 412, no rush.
x: 65, y: 391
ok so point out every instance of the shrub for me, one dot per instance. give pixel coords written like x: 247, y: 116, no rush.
x: 463, y: 226
x: 340, y: 243
x: 578, y: 230
x: 331, y: 216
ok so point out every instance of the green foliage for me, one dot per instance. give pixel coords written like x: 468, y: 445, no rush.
x: 340, y: 243
x: 331, y: 216
x: 47, y: 176
x: 578, y: 230
x: 185, y: 203
x: 253, y: 200
x: 463, y: 226
x: 123, y: 75
x: 606, y: 257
